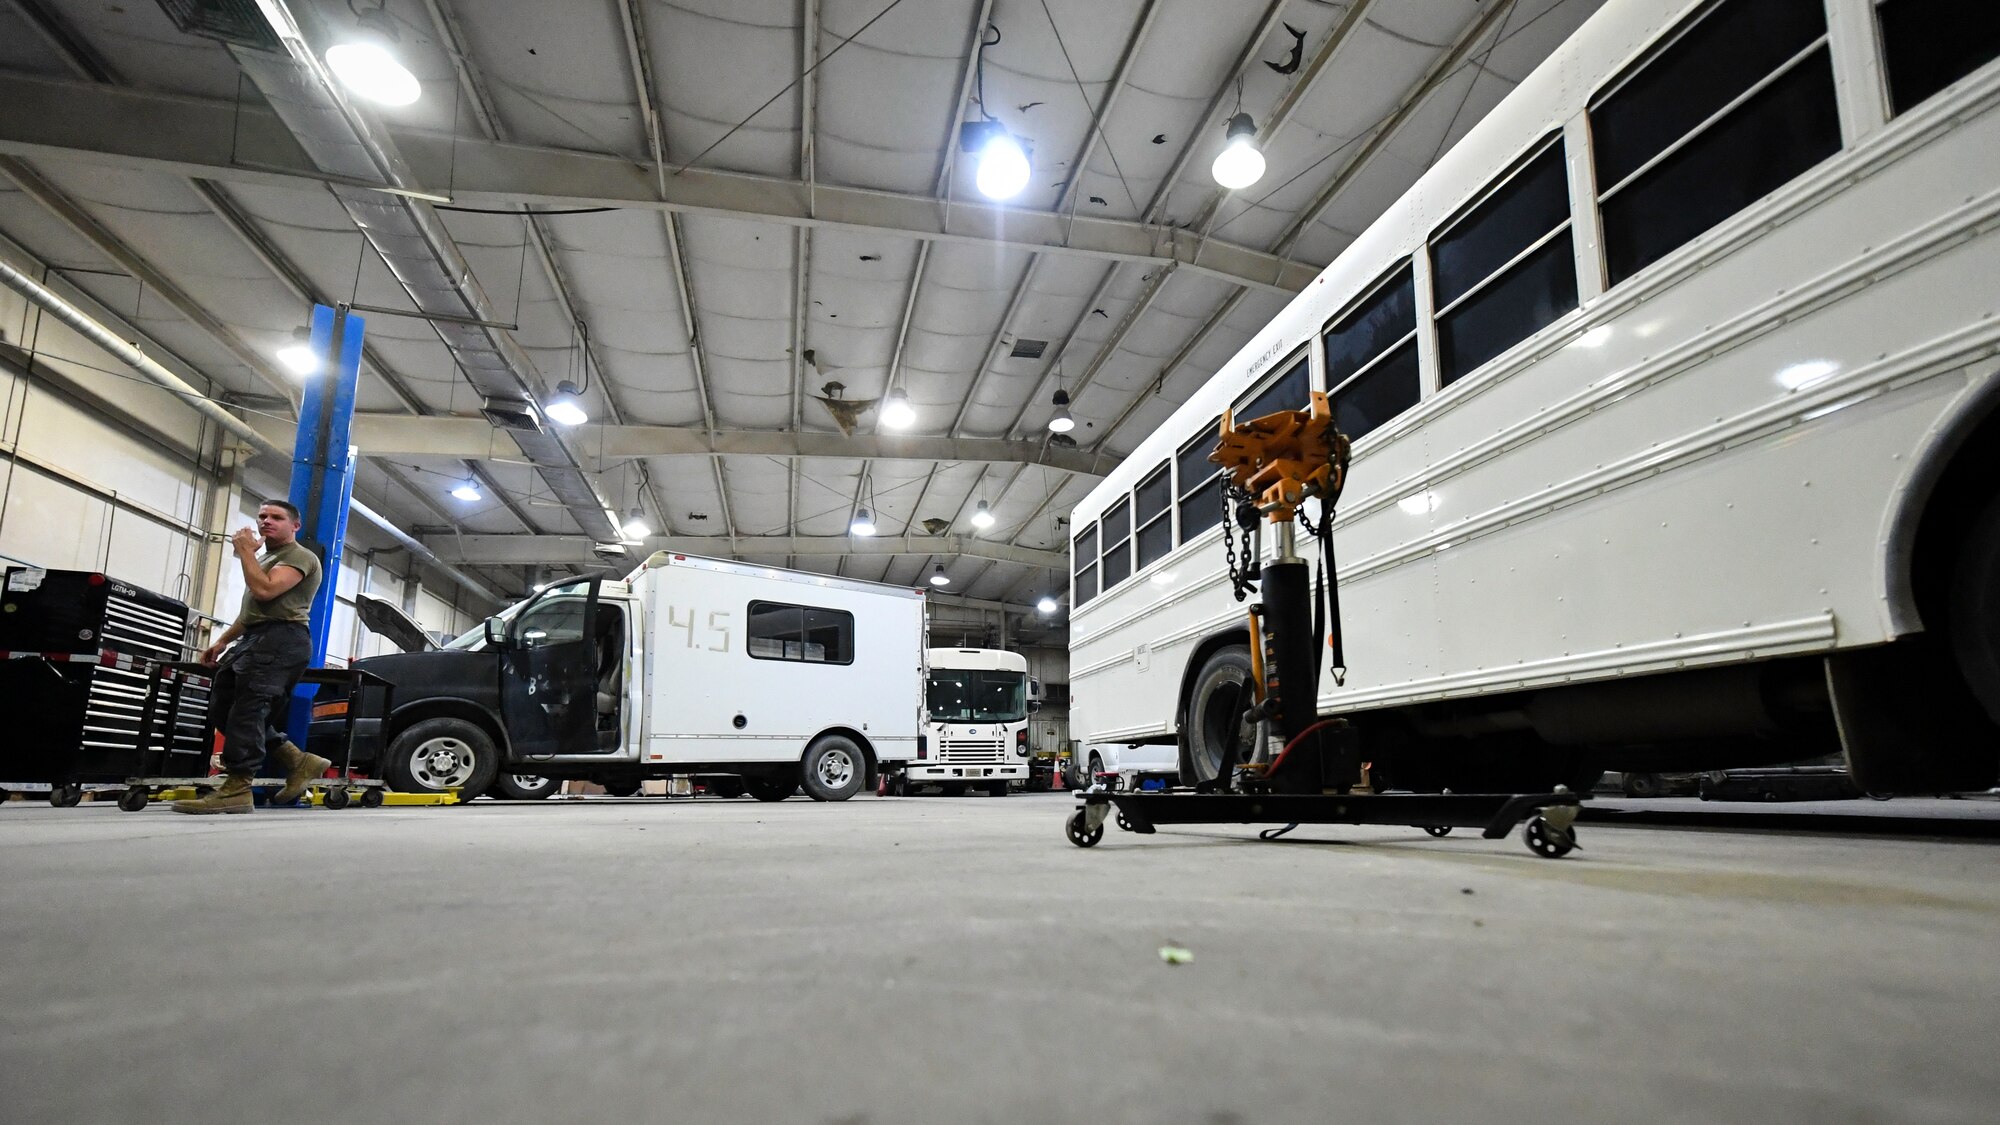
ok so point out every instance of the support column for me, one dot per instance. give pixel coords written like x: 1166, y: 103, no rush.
x: 323, y: 473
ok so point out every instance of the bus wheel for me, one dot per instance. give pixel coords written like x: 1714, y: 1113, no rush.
x: 1222, y: 694
x: 834, y: 769
x: 1975, y: 608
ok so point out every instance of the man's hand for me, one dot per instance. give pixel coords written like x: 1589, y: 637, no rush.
x: 246, y: 542
x: 212, y: 654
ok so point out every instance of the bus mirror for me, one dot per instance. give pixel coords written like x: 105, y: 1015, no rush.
x: 1034, y: 705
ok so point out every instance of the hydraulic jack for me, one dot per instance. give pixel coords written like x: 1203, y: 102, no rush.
x: 1273, y: 466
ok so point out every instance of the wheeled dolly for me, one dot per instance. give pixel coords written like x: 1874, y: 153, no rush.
x: 334, y: 792
x: 1551, y: 817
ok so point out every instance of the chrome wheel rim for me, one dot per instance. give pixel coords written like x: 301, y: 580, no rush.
x: 835, y: 768
x: 442, y: 763
x: 531, y: 782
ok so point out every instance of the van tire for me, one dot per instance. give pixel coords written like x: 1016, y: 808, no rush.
x: 834, y: 768
x: 522, y: 787
x: 770, y: 788
x: 417, y: 759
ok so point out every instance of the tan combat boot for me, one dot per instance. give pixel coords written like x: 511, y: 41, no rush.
x: 233, y: 795
x: 300, y: 768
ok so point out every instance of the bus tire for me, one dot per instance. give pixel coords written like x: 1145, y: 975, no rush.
x: 1974, y: 615
x: 1222, y: 693
x: 440, y: 754
x: 834, y: 768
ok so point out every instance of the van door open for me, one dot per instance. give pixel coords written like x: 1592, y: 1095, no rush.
x: 549, y: 671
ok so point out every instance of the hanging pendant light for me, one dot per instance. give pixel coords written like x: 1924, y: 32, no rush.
x: 897, y: 413
x: 939, y: 577
x: 298, y: 356
x: 1061, y: 422
x: 636, y: 526
x: 467, y: 491
x: 864, y: 523
x: 566, y: 407
x: 1239, y: 164
x: 1047, y: 604
x: 982, y: 516
x: 365, y: 62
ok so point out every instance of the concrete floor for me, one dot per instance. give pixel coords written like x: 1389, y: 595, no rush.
x: 941, y: 960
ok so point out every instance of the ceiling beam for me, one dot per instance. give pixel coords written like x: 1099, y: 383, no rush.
x: 217, y: 139
x: 405, y: 435
x: 533, y: 550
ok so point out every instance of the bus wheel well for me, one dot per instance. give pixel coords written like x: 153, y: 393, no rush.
x: 1184, y: 699
x: 406, y: 717
x: 1961, y: 485
x: 874, y: 768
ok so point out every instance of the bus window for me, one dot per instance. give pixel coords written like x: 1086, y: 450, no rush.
x: 1083, y: 557
x: 1199, y: 482
x: 1504, y: 269
x: 1371, y: 358
x: 1930, y: 44
x: 1149, y: 510
x: 1290, y: 391
x: 1733, y: 108
x: 1117, y: 531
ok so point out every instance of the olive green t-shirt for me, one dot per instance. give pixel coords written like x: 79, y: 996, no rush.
x: 294, y: 604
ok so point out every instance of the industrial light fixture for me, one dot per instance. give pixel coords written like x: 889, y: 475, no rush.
x: 864, y: 524
x: 636, y: 526
x: 939, y: 577
x: 566, y: 408
x: 467, y: 491
x: 298, y: 356
x: 1003, y: 166
x: 1061, y: 422
x: 982, y: 516
x: 1047, y: 604
x: 1239, y: 164
x: 897, y: 413
x: 365, y: 63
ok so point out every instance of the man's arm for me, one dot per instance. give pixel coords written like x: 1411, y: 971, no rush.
x: 263, y: 585
x: 213, y: 652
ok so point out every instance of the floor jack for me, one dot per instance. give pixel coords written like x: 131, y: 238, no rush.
x: 1272, y: 466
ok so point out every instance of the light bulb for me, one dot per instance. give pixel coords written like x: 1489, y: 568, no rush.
x: 864, y: 524
x: 298, y: 356
x: 564, y: 408
x: 1003, y: 167
x: 1239, y: 164
x: 466, y: 491
x: 1047, y: 604
x: 939, y: 577
x: 897, y: 413
x: 637, y: 527
x: 1061, y: 422
x: 366, y: 68
x: 982, y: 517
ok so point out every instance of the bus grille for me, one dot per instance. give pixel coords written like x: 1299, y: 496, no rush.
x: 972, y: 750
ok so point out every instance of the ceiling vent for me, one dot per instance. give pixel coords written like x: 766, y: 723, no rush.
x: 1028, y: 349
x: 231, y: 21
x: 512, y: 414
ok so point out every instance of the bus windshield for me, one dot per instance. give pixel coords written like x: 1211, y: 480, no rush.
x: 966, y: 695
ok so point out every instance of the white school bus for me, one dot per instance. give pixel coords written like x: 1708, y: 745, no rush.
x: 1672, y: 389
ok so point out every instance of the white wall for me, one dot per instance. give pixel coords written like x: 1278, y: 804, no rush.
x: 98, y: 471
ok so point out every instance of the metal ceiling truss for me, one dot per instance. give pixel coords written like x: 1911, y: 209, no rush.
x: 532, y: 550
x: 218, y: 139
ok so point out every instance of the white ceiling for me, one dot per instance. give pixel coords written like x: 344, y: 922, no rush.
x: 870, y: 305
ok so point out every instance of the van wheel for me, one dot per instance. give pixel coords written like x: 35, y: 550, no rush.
x: 522, y: 787
x: 442, y: 754
x: 834, y: 769
x: 770, y: 788
x: 1222, y: 694
x: 725, y: 787
x: 621, y: 788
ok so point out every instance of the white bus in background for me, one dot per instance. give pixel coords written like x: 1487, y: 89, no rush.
x: 976, y: 729
x: 1673, y: 387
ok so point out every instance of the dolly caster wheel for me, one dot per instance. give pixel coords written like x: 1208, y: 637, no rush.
x: 134, y: 799
x: 66, y: 796
x: 371, y: 797
x: 1548, y: 841
x: 1078, y: 835
x: 1125, y: 822
x: 336, y: 798
x: 1438, y: 830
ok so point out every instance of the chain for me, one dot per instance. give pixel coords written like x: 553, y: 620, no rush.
x: 1233, y: 498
